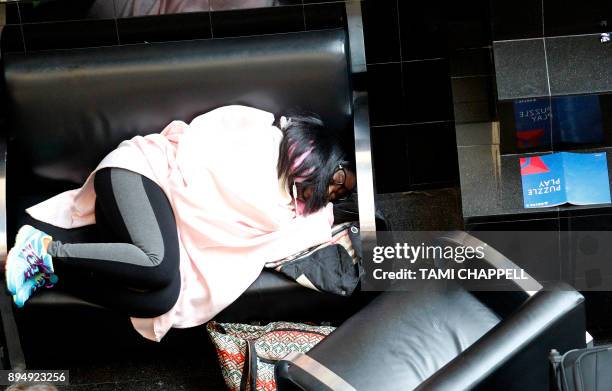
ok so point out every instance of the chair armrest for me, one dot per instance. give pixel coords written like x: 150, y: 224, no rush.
x: 492, y: 257
x: 310, y: 375
x: 540, y: 313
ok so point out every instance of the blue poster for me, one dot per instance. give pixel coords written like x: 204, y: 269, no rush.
x: 559, y: 178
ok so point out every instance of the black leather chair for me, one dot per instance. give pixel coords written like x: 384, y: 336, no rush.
x: 442, y: 337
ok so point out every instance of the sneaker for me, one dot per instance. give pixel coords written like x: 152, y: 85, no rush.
x: 27, y: 258
x: 31, y: 285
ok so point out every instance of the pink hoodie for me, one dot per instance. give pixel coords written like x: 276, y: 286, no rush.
x: 219, y: 173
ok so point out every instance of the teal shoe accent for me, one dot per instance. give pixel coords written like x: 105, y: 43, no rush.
x: 27, y: 258
x: 29, y: 287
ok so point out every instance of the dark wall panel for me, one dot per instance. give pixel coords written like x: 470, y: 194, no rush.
x: 407, y: 49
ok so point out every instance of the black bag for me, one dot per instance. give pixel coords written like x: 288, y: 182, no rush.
x: 333, y: 267
x: 583, y: 369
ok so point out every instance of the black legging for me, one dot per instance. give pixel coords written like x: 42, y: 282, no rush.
x: 133, y: 264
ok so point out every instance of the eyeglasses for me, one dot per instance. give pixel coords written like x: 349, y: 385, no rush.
x: 339, y: 179
x: 339, y: 176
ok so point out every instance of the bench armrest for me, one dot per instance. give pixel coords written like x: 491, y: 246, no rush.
x: 11, y: 333
x: 3, y: 233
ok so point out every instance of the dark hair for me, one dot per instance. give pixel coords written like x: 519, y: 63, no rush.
x: 309, y: 154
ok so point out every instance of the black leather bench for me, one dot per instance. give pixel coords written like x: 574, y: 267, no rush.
x: 68, y: 108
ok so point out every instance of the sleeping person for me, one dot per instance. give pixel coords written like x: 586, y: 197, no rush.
x: 187, y: 217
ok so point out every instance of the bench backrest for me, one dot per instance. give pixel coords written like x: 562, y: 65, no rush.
x: 69, y: 108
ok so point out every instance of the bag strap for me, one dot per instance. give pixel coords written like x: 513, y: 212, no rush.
x: 253, y: 360
x: 249, y: 370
